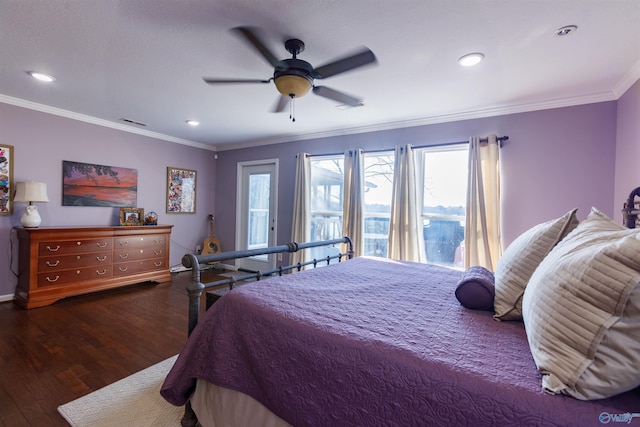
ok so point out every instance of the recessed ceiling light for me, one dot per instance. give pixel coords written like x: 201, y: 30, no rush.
x: 193, y: 122
x: 566, y: 30
x: 471, y: 59
x: 42, y: 77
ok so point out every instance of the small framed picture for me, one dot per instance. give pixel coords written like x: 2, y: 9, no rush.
x: 181, y: 190
x: 131, y: 216
x: 6, y: 179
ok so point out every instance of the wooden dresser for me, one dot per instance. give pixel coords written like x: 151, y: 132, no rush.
x: 57, y: 262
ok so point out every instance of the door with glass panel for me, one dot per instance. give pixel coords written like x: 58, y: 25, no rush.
x: 256, y: 208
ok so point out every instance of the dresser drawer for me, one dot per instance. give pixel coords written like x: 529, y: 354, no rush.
x: 55, y: 278
x: 65, y: 262
x: 64, y: 247
x: 136, y: 254
x: 128, y: 242
x: 133, y: 267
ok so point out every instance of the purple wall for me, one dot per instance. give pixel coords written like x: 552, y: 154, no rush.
x: 627, y: 148
x: 555, y: 160
x: 42, y: 141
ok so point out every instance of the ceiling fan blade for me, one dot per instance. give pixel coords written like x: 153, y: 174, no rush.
x: 251, y: 35
x: 281, y: 104
x: 233, y: 81
x: 345, y: 64
x: 341, y: 97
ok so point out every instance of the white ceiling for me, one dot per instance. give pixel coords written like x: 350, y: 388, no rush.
x: 144, y: 60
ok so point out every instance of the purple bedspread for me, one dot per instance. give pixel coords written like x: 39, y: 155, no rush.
x: 374, y: 342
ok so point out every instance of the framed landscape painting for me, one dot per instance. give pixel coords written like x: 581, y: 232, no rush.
x: 87, y: 184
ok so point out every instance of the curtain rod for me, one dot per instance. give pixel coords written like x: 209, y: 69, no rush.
x: 500, y: 140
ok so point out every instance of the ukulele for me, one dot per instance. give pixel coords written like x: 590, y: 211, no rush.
x: 211, y: 244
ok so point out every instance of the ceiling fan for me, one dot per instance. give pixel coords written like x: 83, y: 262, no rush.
x: 294, y: 77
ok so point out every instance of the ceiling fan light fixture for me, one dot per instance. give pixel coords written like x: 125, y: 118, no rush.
x: 293, y: 85
x: 471, y: 59
x: 193, y: 123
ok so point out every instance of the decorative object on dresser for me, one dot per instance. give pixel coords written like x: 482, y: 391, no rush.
x: 6, y: 179
x: 131, y: 216
x: 181, y: 190
x: 58, y: 262
x: 31, y: 192
x: 151, y: 218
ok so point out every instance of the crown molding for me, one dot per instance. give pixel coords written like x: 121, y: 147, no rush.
x: 629, y: 79
x: 100, y: 122
x: 444, y: 118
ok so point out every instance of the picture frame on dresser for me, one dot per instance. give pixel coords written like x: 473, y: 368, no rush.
x: 131, y: 216
x: 181, y: 190
x: 6, y: 179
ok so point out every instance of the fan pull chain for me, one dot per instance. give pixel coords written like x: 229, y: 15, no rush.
x: 292, y: 108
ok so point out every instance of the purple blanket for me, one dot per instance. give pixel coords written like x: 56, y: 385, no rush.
x: 374, y: 342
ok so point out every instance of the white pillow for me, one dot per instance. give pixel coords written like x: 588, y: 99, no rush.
x: 521, y: 258
x: 581, y: 311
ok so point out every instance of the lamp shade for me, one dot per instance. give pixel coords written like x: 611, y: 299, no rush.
x: 31, y: 192
x: 293, y: 85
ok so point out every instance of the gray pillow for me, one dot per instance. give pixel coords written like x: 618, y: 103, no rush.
x: 581, y: 311
x: 521, y: 258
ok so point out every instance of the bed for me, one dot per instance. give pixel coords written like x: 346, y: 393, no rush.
x: 374, y: 342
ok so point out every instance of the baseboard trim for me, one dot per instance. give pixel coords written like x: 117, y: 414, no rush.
x: 5, y: 298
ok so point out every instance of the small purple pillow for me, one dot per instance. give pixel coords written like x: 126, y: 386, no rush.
x: 476, y: 289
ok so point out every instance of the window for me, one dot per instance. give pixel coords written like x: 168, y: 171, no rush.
x: 443, y: 176
x: 444, y: 203
x: 378, y: 186
x: 327, y: 183
x: 258, y: 234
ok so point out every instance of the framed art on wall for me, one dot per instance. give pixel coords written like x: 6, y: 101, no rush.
x: 181, y: 190
x: 6, y: 179
x: 88, y: 184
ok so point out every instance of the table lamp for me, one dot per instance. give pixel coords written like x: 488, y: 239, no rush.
x: 31, y: 192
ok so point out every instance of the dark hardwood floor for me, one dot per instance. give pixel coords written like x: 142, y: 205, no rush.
x: 52, y: 355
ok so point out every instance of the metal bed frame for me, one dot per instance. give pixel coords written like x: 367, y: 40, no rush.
x: 195, y: 287
x: 194, y: 262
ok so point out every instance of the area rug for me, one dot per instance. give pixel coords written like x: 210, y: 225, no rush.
x: 132, y: 401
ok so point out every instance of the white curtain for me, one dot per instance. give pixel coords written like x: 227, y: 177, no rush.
x: 353, y: 200
x: 482, y: 232
x: 301, y: 223
x: 406, y: 241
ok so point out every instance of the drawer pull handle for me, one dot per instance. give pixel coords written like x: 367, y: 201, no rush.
x: 124, y: 256
x: 78, y: 243
x: 101, y: 273
x: 158, y: 252
x: 104, y: 245
x: 53, y: 280
x: 53, y: 264
x: 157, y: 264
x: 101, y: 259
x: 124, y: 243
x: 123, y: 268
x: 157, y: 241
x: 50, y: 249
